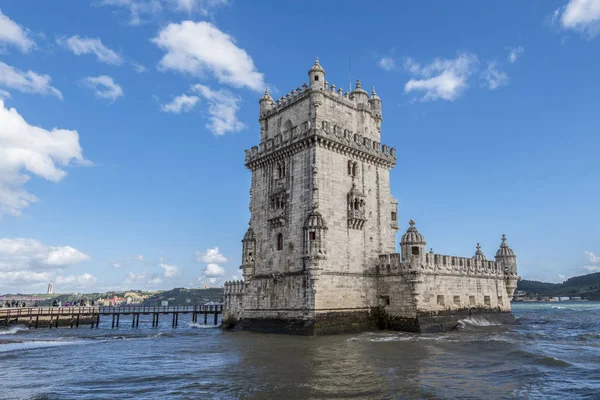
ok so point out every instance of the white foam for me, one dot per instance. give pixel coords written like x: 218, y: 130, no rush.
x: 13, y: 329
x: 477, y: 321
x: 32, y: 345
x: 201, y: 326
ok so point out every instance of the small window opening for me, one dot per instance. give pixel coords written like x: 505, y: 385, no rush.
x: 280, y: 242
x: 440, y: 299
x: 394, y: 216
x: 472, y: 300
x: 457, y: 300
x: 316, y: 77
x: 415, y: 250
x: 354, y: 169
x: 312, y: 235
x: 349, y: 167
x: 486, y: 300
x: 384, y: 300
x: 356, y: 204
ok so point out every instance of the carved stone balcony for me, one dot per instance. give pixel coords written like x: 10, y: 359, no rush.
x: 277, y: 217
x: 356, y: 219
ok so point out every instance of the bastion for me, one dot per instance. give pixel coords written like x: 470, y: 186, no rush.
x: 319, y: 253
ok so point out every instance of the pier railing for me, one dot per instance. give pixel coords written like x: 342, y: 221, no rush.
x: 73, y: 314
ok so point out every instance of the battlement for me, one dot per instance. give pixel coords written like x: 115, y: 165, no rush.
x: 273, y: 107
x: 233, y: 287
x: 334, y: 136
x: 391, y: 264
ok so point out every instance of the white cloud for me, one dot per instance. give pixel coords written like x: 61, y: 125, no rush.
x: 200, y: 48
x: 200, y: 6
x: 387, y: 63
x: 169, y: 270
x: 442, y: 79
x: 211, y: 256
x: 581, y: 16
x: 212, y: 280
x: 12, y: 33
x: 27, y: 82
x: 79, y: 46
x: 493, y: 77
x: 592, y: 257
x: 514, y: 53
x: 141, y: 11
x: 592, y: 268
x: 222, y: 110
x: 104, y: 86
x: 139, y: 258
x: 137, y: 67
x: 77, y: 281
x: 4, y: 94
x: 143, y: 278
x: 213, y: 271
x: 562, y: 277
x: 179, y: 104
x: 24, y: 262
x: 26, y: 149
x: 115, y: 264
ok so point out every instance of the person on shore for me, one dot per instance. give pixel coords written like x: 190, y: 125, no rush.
x: 7, y: 304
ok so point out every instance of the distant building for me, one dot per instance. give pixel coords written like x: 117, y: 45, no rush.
x: 50, y: 288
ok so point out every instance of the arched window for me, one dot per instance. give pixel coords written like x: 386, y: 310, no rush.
x: 280, y: 170
x: 354, y: 165
x: 356, y: 204
x: 349, y: 167
x: 280, y: 241
x: 312, y: 235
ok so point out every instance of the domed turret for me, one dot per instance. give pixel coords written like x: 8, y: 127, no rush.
x: 375, y: 103
x: 505, y: 250
x: 479, y: 254
x: 412, y: 244
x: 316, y: 76
x: 266, y: 103
x: 360, y: 95
x: 248, y: 254
x: 412, y: 235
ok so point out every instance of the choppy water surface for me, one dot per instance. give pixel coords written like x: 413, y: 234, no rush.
x: 553, y: 354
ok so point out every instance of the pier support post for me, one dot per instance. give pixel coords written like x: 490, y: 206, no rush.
x: 77, y: 323
x: 113, y: 322
x: 216, y: 316
x: 98, y: 320
x: 205, y: 317
x: 57, y: 317
x: 92, y: 327
x: 137, y: 321
x: 157, y: 315
x: 118, y: 316
x: 133, y: 320
x: 37, y: 320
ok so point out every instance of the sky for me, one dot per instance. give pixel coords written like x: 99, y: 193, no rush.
x: 123, y: 125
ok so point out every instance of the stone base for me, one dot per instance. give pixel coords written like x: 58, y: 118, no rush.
x: 364, y: 321
x: 322, y: 324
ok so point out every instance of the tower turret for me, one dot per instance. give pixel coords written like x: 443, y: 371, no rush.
x: 375, y: 103
x: 413, y: 245
x: 479, y: 254
x: 266, y: 103
x: 507, y: 259
x: 248, y: 254
x: 360, y: 95
x: 316, y: 76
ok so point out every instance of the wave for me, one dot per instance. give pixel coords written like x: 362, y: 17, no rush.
x: 34, y: 344
x: 476, y: 321
x: 202, y: 326
x: 14, y: 329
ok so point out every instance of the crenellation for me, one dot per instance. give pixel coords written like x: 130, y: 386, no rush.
x: 321, y: 241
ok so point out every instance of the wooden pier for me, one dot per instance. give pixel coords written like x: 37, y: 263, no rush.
x: 72, y: 316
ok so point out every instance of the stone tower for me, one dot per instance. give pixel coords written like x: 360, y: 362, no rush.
x: 320, y: 203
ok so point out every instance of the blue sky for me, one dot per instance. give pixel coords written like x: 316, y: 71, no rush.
x: 124, y: 122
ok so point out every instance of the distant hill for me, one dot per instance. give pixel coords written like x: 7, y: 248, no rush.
x: 585, y: 286
x: 184, y: 297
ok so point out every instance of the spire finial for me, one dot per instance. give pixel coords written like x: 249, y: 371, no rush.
x: 358, y: 83
x: 478, y: 247
x: 317, y: 60
x: 373, y: 93
x: 411, y: 223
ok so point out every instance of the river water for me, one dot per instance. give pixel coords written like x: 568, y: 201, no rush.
x: 553, y: 354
